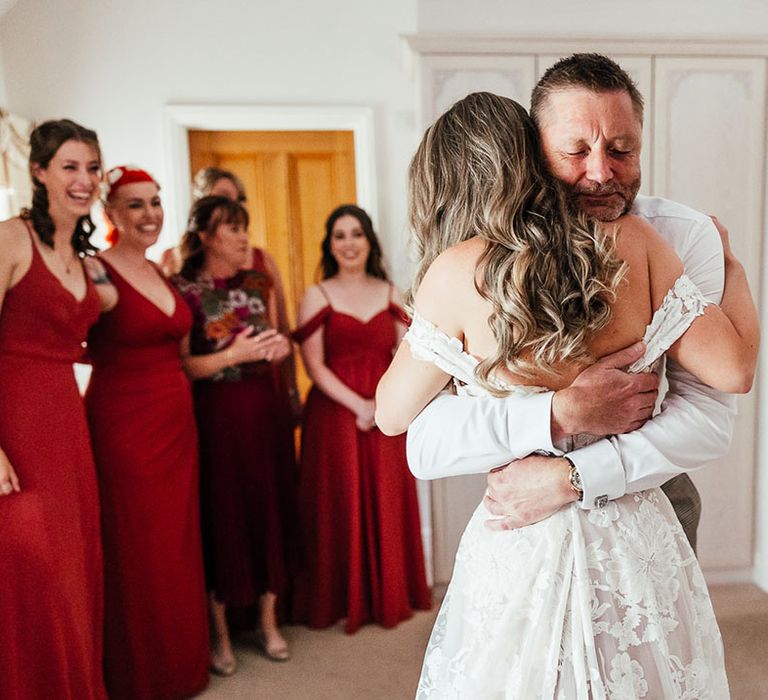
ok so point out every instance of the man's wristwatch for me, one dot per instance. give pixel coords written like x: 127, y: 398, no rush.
x: 574, y: 478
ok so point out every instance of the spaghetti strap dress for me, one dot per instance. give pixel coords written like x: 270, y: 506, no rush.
x: 50, y: 547
x: 359, y: 514
x: 139, y: 405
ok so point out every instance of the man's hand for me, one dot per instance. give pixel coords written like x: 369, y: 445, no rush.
x: 528, y: 490
x: 604, y: 399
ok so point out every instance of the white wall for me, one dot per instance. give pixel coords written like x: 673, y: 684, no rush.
x: 3, y: 91
x: 595, y: 17
x: 115, y: 65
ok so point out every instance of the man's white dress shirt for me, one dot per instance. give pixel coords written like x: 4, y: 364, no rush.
x: 478, y: 433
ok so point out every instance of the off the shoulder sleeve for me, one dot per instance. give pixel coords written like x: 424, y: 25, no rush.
x: 399, y: 313
x: 680, y: 308
x: 305, y: 330
x: 430, y: 344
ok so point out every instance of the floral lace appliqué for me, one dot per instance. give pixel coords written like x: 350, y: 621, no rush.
x: 680, y: 308
x: 607, y: 604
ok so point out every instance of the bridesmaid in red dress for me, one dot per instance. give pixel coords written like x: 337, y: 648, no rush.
x: 139, y: 406
x: 50, y: 549
x: 357, y: 499
x: 242, y: 456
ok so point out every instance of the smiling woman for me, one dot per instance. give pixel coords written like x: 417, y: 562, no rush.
x: 360, y: 519
x: 50, y: 550
x: 143, y: 430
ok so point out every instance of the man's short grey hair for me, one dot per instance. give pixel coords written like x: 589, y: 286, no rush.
x: 588, y: 71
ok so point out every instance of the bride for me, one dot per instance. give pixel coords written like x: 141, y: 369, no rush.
x: 603, y: 603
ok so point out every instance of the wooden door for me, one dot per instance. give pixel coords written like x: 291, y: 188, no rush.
x: 292, y: 179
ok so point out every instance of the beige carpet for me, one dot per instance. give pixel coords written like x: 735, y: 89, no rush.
x: 373, y: 664
x: 742, y: 612
x: 378, y: 664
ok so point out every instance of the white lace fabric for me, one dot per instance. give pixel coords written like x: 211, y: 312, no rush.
x: 596, y: 604
x: 682, y: 304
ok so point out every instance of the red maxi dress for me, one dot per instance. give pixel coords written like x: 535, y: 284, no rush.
x: 142, y: 423
x: 359, y: 513
x: 50, y: 548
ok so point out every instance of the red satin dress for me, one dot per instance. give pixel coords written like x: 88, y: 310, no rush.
x: 142, y: 423
x: 50, y: 547
x: 357, y: 500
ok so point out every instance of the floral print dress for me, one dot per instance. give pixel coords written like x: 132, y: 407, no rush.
x: 247, y: 460
x: 222, y: 308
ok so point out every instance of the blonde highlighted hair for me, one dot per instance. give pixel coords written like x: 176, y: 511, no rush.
x: 549, y: 274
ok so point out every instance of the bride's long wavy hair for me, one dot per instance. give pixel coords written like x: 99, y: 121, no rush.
x: 549, y: 274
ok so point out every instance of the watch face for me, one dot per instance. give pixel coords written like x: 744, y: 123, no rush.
x: 575, y: 479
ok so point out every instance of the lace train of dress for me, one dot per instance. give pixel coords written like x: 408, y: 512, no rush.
x: 587, y: 604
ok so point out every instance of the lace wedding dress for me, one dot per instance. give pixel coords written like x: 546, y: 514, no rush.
x: 596, y: 604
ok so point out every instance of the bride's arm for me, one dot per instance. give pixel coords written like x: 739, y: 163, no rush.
x: 720, y: 347
x: 409, y: 384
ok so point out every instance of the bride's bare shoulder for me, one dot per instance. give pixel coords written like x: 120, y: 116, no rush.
x: 456, y: 263
x: 447, y: 295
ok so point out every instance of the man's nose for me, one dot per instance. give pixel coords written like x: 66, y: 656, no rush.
x: 599, y: 167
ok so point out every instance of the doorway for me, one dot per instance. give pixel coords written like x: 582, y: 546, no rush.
x: 323, y: 154
x: 292, y: 179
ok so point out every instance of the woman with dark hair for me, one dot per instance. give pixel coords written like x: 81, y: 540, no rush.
x: 357, y: 499
x: 50, y: 548
x: 139, y: 407
x: 246, y: 449
x: 208, y: 182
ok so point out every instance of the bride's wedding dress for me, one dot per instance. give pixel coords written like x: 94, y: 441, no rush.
x: 587, y: 604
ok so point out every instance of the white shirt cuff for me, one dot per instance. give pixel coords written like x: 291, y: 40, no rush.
x: 537, y: 426
x: 601, y: 471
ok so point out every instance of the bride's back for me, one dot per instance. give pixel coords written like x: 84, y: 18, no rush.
x: 631, y: 310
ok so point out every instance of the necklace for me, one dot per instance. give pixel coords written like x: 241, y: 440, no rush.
x: 70, y: 262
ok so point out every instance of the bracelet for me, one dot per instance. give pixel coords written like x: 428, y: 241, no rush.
x: 574, y: 479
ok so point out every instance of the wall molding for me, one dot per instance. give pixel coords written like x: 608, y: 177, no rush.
x: 474, y: 44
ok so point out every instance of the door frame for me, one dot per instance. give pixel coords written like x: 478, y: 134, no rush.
x: 179, y: 119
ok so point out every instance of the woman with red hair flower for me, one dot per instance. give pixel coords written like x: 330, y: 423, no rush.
x: 142, y: 425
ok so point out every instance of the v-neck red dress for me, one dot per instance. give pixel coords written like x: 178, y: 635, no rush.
x: 362, y: 546
x: 50, y: 548
x: 139, y: 405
